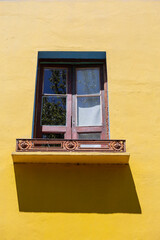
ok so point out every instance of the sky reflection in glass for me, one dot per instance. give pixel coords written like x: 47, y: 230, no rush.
x: 88, y: 81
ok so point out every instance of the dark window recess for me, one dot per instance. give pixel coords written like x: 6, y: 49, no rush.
x: 89, y: 136
x: 71, y: 100
x: 53, y: 135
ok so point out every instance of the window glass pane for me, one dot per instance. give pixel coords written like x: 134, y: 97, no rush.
x: 90, y: 136
x: 53, y: 135
x: 90, y: 145
x: 88, y: 111
x: 55, y: 81
x: 88, y: 81
x: 53, y: 111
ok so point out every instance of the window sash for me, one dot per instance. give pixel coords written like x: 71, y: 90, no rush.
x: 70, y: 131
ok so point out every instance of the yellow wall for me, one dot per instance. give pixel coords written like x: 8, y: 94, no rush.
x: 82, y: 202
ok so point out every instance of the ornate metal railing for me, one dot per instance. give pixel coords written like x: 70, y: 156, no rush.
x: 63, y: 145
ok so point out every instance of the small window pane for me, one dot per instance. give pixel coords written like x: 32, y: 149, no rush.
x: 89, y: 111
x: 90, y: 136
x: 55, y: 81
x: 54, y: 135
x: 90, y: 145
x: 53, y: 111
x: 88, y: 81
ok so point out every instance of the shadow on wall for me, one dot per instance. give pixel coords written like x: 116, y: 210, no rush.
x: 76, y: 188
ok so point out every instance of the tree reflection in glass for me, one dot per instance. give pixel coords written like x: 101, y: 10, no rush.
x: 55, y: 81
x: 54, y: 106
x: 53, y: 111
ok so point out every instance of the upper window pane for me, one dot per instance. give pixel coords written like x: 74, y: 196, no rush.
x: 54, y: 81
x: 88, y: 81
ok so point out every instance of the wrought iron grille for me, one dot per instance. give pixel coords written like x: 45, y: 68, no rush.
x: 63, y: 145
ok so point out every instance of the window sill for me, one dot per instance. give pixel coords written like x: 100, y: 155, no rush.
x: 71, y: 157
x: 70, y: 151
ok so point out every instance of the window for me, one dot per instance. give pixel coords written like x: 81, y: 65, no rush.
x: 71, y: 98
x: 71, y: 112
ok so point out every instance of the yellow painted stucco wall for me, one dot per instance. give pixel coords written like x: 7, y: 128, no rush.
x: 46, y: 201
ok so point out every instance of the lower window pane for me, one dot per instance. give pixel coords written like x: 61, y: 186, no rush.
x: 89, y: 111
x: 53, y: 111
x: 89, y: 136
x: 54, y: 135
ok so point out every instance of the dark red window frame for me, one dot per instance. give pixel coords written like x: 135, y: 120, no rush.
x: 71, y: 130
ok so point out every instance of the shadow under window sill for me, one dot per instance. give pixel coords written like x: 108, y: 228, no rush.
x: 71, y: 188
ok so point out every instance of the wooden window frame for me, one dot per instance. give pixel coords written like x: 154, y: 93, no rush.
x: 71, y: 65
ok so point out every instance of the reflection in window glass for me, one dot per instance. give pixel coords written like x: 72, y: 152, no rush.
x: 55, y: 81
x: 54, y: 135
x: 90, y: 136
x: 53, y: 111
x: 88, y: 81
x: 88, y: 111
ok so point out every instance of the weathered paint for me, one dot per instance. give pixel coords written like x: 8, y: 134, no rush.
x: 42, y: 201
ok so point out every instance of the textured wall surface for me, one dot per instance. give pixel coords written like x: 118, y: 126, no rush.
x: 62, y: 202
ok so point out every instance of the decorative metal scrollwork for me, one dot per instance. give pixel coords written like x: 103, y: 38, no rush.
x: 24, y: 145
x: 70, y: 145
x: 117, y: 145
